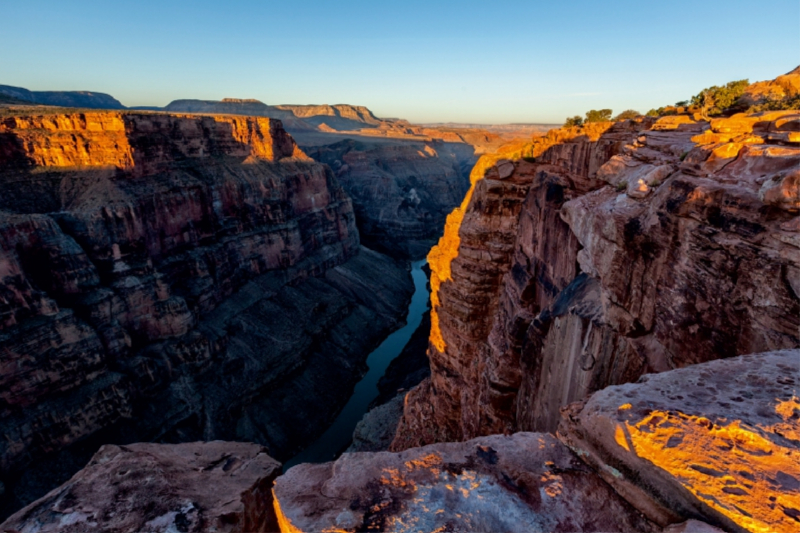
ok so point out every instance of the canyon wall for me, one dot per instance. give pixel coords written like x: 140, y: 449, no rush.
x: 595, y: 255
x: 174, y: 278
x: 402, y: 192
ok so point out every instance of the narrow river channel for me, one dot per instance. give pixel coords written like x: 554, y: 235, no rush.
x: 337, y: 437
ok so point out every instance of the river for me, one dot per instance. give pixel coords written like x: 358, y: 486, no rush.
x: 340, y: 433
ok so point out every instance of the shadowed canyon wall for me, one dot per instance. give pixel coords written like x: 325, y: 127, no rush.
x: 605, y: 253
x: 174, y: 278
x: 402, y: 192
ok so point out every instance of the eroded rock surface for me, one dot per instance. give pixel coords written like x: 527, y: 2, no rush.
x: 194, y: 487
x: 718, y: 441
x: 556, y: 277
x: 521, y: 483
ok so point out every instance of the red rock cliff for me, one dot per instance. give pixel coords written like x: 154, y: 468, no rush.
x: 162, y: 274
x: 606, y: 253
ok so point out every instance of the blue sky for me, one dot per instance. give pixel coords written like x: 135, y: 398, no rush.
x: 492, y: 61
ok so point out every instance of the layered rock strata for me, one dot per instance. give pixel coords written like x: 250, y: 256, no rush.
x: 168, y: 277
x: 240, y: 106
x: 718, y: 441
x: 192, y: 488
x: 520, y: 483
x: 593, y: 256
x: 401, y: 192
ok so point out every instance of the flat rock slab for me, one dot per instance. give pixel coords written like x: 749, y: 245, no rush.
x: 202, y: 486
x: 717, y: 441
x: 526, y: 482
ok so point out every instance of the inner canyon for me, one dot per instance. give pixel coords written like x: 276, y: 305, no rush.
x: 224, y: 315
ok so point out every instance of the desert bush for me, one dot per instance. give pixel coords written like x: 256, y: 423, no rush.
x: 573, y: 121
x: 598, y: 115
x: 627, y: 114
x: 716, y: 100
x: 782, y: 104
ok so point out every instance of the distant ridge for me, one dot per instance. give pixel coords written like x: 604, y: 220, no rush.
x: 86, y: 99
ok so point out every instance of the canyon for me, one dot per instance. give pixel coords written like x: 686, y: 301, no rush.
x: 175, y: 278
x: 613, y: 340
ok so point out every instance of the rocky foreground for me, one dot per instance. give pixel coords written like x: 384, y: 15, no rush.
x: 709, y: 448
x: 174, y: 278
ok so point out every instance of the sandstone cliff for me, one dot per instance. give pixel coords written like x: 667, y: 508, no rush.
x: 240, y: 106
x: 171, y: 277
x: 401, y: 192
x: 605, y: 253
x: 299, y: 118
x: 337, y: 117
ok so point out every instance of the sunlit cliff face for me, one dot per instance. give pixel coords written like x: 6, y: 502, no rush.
x: 442, y: 255
x: 132, y: 141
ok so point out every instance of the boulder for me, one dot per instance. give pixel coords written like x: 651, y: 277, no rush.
x: 523, y: 482
x: 718, y: 441
x: 194, y: 487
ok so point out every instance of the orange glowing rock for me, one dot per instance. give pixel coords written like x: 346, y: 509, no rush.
x: 131, y: 141
x: 717, y: 440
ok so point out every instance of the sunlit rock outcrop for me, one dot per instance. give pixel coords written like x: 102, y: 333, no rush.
x: 160, y: 488
x: 718, y: 441
x: 593, y: 256
x: 520, y: 483
x: 781, y: 87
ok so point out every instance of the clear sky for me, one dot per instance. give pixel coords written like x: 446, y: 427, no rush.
x: 489, y: 61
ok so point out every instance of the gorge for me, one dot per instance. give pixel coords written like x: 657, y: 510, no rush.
x: 613, y: 335
x: 175, y: 278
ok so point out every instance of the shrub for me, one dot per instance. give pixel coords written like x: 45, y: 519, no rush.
x: 573, y: 121
x: 716, y: 100
x: 790, y: 102
x: 622, y: 185
x: 601, y: 115
x: 627, y: 114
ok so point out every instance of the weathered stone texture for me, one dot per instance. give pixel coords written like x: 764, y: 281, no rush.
x: 158, y: 488
x: 606, y: 253
x: 520, y: 483
x: 718, y: 441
